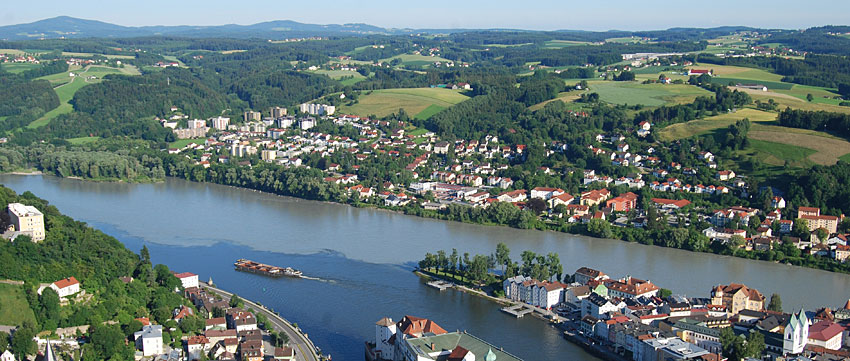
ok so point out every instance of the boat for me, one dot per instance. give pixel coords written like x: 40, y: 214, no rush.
x: 266, y: 270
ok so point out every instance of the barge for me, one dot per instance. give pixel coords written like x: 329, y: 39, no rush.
x: 266, y: 270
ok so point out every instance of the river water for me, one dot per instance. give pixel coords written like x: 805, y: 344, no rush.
x: 363, y: 259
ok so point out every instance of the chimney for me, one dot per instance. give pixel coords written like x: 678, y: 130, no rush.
x: 432, y: 346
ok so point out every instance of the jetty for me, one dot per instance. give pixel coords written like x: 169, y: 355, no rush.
x: 518, y: 310
x: 266, y: 270
x: 441, y: 285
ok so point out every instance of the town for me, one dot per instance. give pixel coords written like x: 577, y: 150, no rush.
x: 477, y: 173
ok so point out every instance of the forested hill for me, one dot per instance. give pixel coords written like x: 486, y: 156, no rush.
x: 71, y: 248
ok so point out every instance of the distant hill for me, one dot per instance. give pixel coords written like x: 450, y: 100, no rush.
x: 69, y: 27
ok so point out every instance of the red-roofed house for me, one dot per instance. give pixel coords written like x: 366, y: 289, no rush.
x: 664, y: 203
x: 512, y: 196
x: 416, y: 327
x: 66, y: 287
x: 826, y: 334
x: 546, y: 193
x: 196, y: 346
x: 564, y: 199
x: 594, y: 197
x: 698, y: 72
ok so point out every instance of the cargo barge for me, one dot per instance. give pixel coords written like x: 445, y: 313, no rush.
x: 266, y: 270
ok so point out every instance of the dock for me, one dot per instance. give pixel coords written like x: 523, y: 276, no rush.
x: 518, y: 310
x: 441, y: 285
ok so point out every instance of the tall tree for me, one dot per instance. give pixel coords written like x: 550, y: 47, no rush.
x: 775, y: 303
x: 503, y: 254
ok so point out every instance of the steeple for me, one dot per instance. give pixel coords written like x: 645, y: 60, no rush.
x: 491, y: 356
x: 49, y: 355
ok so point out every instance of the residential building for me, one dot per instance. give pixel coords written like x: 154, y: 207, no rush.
x: 623, y: 203
x: 220, y: 123
x: 241, y: 320
x: 277, y: 112
x: 737, y: 297
x: 631, y: 287
x: 218, y: 323
x: 188, y: 279
x: 251, y: 116
x: 149, y: 340
x: 584, y: 275
x: 564, y: 199
x: 385, y: 329
x: 27, y: 220
x: 65, y: 287
x: 284, y: 353
x: 317, y: 109
x: 815, y: 220
x: 594, y: 197
x: 545, y: 193
x: 197, y: 346
x: 670, y: 204
x: 826, y: 334
x: 598, y: 307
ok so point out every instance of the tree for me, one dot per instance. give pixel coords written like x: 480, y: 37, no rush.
x: 730, y: 343
x: 809, y: 97
x: 145, y: 255
x: 599, y: 228
x: 822, y: 234
x: 49, y: 308
x: 754, y: 346
x: 453, y: 259
x: 235, y: 301
x: 775, y: 303
x: 4, y: 341
x: 22, y: 341
x: 503, y: 254
x: 537, y: 205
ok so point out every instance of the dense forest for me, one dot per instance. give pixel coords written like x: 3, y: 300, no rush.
x: 22, y: 101
x: 836, y: 123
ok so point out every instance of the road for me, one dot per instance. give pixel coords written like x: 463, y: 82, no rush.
x: 304, y: 348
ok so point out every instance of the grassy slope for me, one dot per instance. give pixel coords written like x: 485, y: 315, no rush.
x: 702, y: 126
x: 646, y: 94
x: 66, y: 91
x: 412, y: 100
x: 14, y: 309
x: 16, y: 68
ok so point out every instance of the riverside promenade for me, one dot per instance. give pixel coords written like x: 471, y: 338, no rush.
x: 305, y: 350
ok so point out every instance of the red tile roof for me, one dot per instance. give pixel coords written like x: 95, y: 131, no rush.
x: 70, y: 281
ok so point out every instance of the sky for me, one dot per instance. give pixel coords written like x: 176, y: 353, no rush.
x: 531, y: 15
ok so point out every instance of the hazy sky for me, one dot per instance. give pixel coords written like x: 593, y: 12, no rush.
x: 537, y: 15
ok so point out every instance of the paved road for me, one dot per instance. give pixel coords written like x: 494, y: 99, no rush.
x: 304, y: 348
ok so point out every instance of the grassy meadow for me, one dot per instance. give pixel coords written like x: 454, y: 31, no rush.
x: 414, y: 101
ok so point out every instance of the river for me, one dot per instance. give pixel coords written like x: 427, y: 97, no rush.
x: 364, y: 258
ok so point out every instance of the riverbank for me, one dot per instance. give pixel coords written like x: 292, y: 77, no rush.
x: 296, y: 336
x: 574, y: 338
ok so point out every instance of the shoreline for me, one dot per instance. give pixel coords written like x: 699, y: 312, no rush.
x: 373, y: 207
x: 595, y: 352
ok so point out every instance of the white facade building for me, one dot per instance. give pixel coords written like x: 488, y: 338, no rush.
x: 149, y: 340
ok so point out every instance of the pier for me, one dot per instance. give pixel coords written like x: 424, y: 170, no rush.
x: 441, y: 285
x: 518, y: 310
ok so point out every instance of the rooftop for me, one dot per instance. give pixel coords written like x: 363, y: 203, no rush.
x: 446, y: 343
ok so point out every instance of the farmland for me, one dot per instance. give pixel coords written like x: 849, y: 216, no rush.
x: 827, y: 149
x: 413, y: 60
x: 778, y: 153
x: 16, y: 68
x: 633, y: 93
x: 348, y: 77
x: 556, y: 44
x: 703, y: 126
x: 414, y: 101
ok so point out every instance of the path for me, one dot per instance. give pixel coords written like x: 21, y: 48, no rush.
x: 304, y: 348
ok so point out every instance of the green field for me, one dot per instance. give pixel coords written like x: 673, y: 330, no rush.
x: 554, y: 44
x: 16, y: 68
x: 413, y: 100
x: 82, y: 140
x: 429, y: 112
x: 778, y: 153
x: 633, y: 93
x: 67, y: 90
x: 703, y: 126
x: 184, y: 142
x: 416, y: 60
x: 352, y: 77
x: 14, y: 308
x: 771, y: 85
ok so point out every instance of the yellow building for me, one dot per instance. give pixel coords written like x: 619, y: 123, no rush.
x: 737, y: 297
x: 27, y: 220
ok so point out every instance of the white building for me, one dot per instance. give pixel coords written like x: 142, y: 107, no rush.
x: 549, y: 294
x: 597, y: 306
x: 317, y: 109
x: 197, y: 123
x: 826, y: 334
x: 307, y: 123
x: 27, y: 220
x: 7, y: 356
x: 384, y: 330
x: 64, y: 287
x: 796, y: 334
x: 188, y: 279
x: 220, y: 123
x: 149, y: 340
